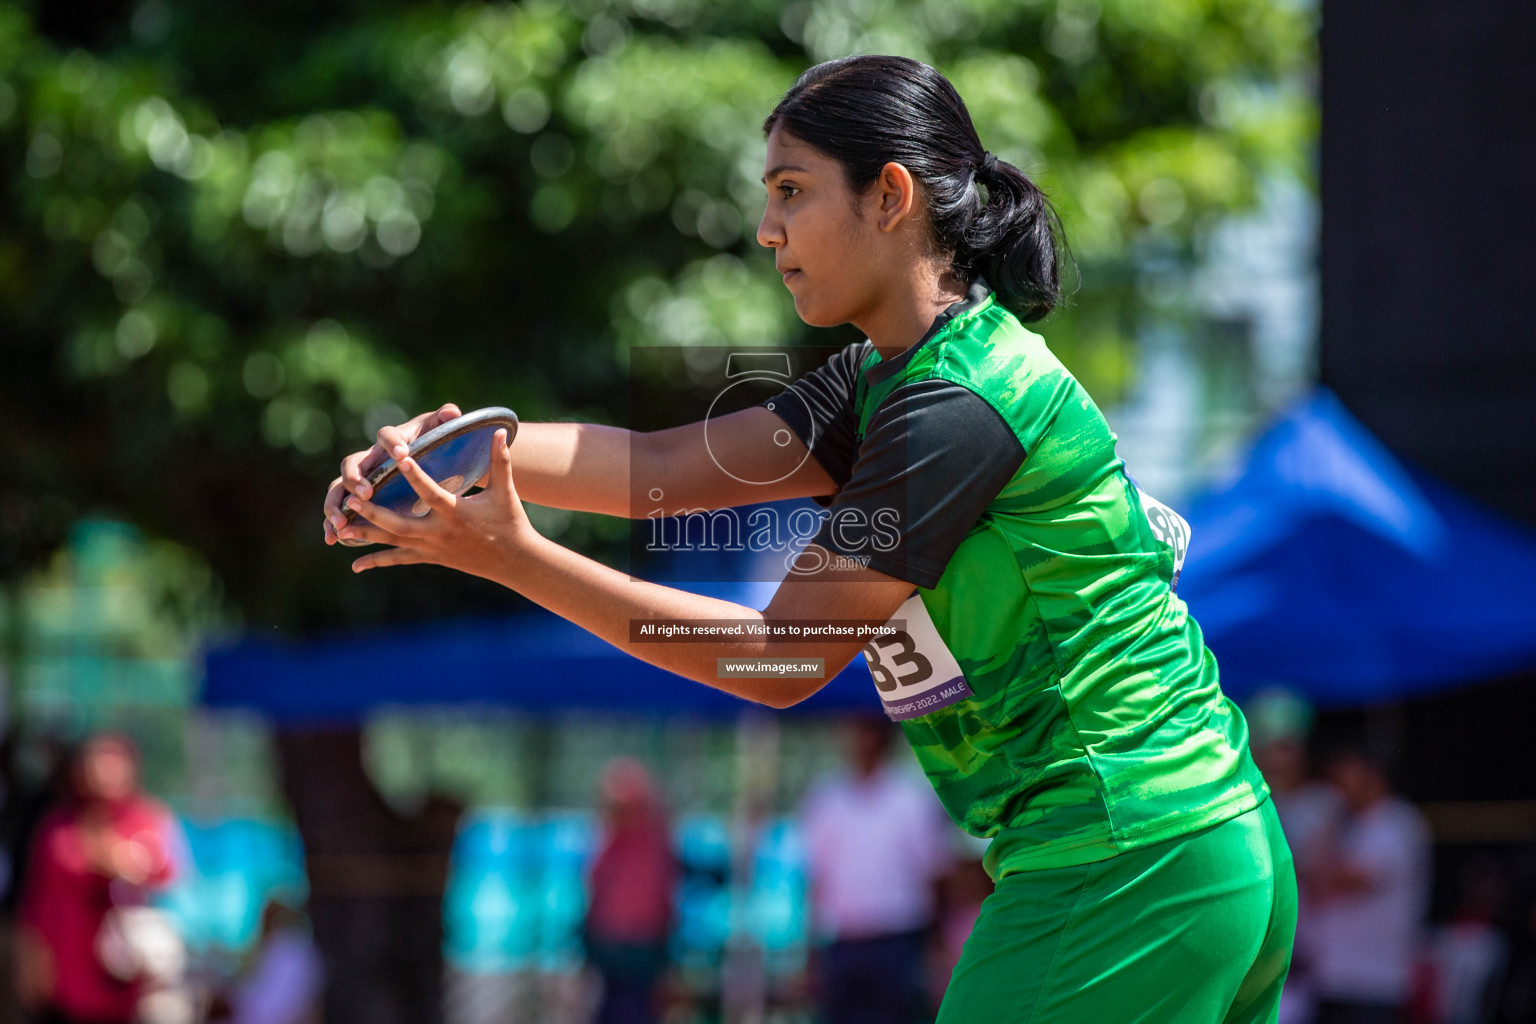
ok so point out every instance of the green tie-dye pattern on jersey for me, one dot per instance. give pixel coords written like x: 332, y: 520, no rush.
x: 1097, y: 724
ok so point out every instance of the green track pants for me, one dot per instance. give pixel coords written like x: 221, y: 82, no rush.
x: 1194, y: 930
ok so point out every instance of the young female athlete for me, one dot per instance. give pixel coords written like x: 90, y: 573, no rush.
x: 1052, y: 684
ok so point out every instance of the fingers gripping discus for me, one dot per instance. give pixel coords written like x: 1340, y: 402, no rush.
x: 456, y: 454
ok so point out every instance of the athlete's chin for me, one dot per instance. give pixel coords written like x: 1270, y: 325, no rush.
x: 817, y: 313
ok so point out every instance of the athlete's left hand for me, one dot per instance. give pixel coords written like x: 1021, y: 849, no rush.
x: 481, y: 534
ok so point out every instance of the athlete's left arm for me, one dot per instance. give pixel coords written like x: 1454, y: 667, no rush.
x: 489, y: 535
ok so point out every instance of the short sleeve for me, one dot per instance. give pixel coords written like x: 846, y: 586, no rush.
x: 935, y: 454
x: 819, y: 409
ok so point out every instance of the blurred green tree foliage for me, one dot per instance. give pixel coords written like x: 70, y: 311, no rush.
x: 237, y: 238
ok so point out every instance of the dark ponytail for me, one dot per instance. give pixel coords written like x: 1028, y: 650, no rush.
x: 988, y: 218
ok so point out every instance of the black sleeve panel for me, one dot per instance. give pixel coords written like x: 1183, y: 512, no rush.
x: 819, y: 409
x: 934, y: 457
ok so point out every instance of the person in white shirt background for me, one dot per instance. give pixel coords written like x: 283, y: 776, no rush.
x: 877, y: 842
x: 1371, y: 891
x: 1468, y: 953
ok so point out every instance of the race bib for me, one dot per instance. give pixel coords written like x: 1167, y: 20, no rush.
x: 912, y: 667
x: 1170, y: 528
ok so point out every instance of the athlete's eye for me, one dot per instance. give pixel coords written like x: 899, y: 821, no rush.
x: 789, y: 191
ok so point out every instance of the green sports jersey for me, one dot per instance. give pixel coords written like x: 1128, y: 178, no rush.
x: 1054, y: 687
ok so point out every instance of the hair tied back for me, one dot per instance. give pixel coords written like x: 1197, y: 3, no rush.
x: 868, y: 110
x: 988, y: 169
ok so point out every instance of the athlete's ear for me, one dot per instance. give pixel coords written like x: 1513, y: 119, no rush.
x: 895, y: 192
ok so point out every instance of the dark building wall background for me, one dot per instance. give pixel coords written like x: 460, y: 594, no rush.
x: 1428, y: 275
x: 1428, y: 182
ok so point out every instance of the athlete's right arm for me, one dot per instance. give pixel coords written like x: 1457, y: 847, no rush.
x: 589, y: 467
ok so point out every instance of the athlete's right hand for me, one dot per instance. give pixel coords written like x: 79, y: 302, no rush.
x: 356, y: 467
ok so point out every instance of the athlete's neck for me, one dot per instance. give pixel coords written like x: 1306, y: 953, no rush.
x: 906, y: 311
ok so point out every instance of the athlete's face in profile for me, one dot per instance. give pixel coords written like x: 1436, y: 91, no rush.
x: 825, y: 244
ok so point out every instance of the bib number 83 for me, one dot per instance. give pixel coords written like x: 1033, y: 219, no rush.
x: 904, y: 665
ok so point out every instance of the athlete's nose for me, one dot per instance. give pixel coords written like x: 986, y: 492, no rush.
x: 770, y: 230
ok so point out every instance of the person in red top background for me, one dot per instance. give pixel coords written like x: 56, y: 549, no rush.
x: 629, y: 911
x: 105, y: 848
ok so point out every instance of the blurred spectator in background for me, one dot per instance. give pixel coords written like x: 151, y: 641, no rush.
x: 282, y: 984
x: 1309, y: 811
x: 1517, y: 993
x: 1468, y: 954
x: 84, y: 955
x: 962, y: 890
x: 34, y: 775
x: 629, y: 914
x: 878, y: 842
x: 1370, y: 890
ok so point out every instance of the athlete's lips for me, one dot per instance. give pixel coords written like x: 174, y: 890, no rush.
x: 787, y: 272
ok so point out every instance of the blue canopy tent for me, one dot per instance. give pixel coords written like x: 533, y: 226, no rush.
x: 1329, y: 566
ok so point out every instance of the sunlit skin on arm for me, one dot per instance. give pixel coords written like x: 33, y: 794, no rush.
x: 588, y: 467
